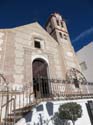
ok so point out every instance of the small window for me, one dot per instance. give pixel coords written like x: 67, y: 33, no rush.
x: 60, y: 34
x: 61, y: 24
x: 37, y: 44
x: 65, y: 36
x: 83, y: 66
x: 57, y: 22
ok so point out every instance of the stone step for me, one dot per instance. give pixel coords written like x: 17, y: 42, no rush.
x: 20, y: 112
x: 18, y: 116
x: 27, y: 107
x: 7, y: 123
x: 10, y: 121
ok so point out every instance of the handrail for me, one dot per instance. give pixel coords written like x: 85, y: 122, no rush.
x: 14, y: 106
x: 7, y: 102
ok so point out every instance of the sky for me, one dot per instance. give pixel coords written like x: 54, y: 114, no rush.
x: 78, y: 15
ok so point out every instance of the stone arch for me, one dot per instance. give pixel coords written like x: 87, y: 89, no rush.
x: 41, y: 57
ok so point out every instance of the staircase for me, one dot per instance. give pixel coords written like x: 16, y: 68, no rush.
x: 14, y: 112
x: 15, y: 115
x: 19, y: 113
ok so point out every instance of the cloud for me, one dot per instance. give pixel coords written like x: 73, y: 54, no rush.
x: 83, y: 34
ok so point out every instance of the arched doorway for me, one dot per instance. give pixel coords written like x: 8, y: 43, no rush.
x: 40, y: 78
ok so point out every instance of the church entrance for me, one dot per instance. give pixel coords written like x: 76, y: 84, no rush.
x: 40, y: 78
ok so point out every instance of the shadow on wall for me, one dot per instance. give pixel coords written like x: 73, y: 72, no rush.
x: 49, y: 108
x: 28, y: 117
x: 39, y: 108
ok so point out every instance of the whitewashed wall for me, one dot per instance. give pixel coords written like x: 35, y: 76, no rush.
x: 84, y: 120
x: 86, y: 54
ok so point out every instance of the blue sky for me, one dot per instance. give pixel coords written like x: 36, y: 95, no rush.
x: 77, y: 13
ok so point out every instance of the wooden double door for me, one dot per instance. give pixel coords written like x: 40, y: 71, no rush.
x: 40, y: 78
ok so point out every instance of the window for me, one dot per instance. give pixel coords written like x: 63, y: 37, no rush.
x: 37, y: 44
x: 60, y: 34
x: 61, y: 24
x: 65, y: 36
x: 83, y: 66
x: 57, y: 22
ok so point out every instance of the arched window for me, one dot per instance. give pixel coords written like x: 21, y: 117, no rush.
x: 57, y: 22
x: 60, y: 34
x: 65, y: 36
x: 62, y: 24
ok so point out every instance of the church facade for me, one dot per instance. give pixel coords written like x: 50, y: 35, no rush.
x: 38, y: 64
x: 29, y: 52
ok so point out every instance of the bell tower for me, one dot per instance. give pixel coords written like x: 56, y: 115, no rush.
x: 57, y: 28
